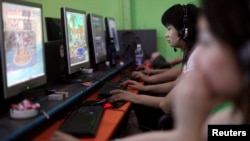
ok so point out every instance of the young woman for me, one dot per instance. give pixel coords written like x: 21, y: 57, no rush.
x: 180, y: 21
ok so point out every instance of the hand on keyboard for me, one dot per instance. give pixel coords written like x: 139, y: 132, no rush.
x: 139, y: 76
x: 122, y: 95
x: 107, y: 87
x: 133, y: 84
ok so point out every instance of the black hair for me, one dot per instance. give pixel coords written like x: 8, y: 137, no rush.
x: 175, y: 16
x: 229, y: 21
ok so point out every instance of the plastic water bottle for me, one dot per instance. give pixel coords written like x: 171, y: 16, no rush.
x: 138, y: 55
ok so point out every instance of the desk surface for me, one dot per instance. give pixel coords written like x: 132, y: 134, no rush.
x: 109, y: 123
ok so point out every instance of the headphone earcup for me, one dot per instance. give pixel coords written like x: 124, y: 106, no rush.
x: 183, y: 33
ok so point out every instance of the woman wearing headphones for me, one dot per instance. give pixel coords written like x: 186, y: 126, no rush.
x: 180, y: 20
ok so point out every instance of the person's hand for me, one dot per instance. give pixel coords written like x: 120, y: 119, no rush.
x: 140, y: 67
x: 122, y: 95
x: 147, y: 70
x: 60, y: 136
x: 139, y: 75
x: 133, y: 84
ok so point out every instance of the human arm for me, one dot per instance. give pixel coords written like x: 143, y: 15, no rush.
x: 153, y: 71
x: 166, y: 76
x: 148, y: 70
x: 175, y: 61
x: 157, y: 88
x: 152, y: 101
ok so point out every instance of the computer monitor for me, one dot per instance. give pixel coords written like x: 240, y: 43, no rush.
x: 53, y: 28
x: 74, y: 27
x: 22, y: 49
x: 97, y: 38
x: 112, y: 31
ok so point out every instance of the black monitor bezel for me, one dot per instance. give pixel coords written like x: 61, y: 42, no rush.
x: 103, y: 58
x: 79, y: 67
x: 29, y: 84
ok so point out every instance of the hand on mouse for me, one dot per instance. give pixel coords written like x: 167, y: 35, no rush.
x: 120, y: 95
x: 134, y: 84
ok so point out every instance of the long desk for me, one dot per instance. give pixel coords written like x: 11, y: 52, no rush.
x: 25, y: 129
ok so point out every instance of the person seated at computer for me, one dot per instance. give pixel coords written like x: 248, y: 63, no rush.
x: 172, y: 19
x: 177, y: 38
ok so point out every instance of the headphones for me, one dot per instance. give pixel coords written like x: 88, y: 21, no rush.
x: 184, y: 31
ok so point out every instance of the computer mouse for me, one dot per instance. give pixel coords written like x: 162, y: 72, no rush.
x: 110, y: 104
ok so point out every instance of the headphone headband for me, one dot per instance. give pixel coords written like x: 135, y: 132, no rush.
x: 184, y: 31
x: 185, y: 16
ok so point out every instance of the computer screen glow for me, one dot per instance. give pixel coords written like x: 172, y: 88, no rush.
x: 99, y: 37
x: 23, y: 45
x: 77, y: 38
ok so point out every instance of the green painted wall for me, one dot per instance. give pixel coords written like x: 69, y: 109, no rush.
x: 110, y: 8
x: 146, y: 14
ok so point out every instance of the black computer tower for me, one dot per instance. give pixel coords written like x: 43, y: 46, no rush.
x: 55, y: 61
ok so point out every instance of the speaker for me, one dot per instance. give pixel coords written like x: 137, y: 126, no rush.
x: 55, y: 61
x: 128, y: 40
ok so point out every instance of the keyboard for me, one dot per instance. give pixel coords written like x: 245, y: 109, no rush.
x: 83, y: 122
x: 107, y: 87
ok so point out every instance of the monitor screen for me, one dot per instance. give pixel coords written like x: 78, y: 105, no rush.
x: 53, y: 28
x: 22, y: 54
x: 97, y: 38
x: 75, y: 39
x: 112, y: 31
